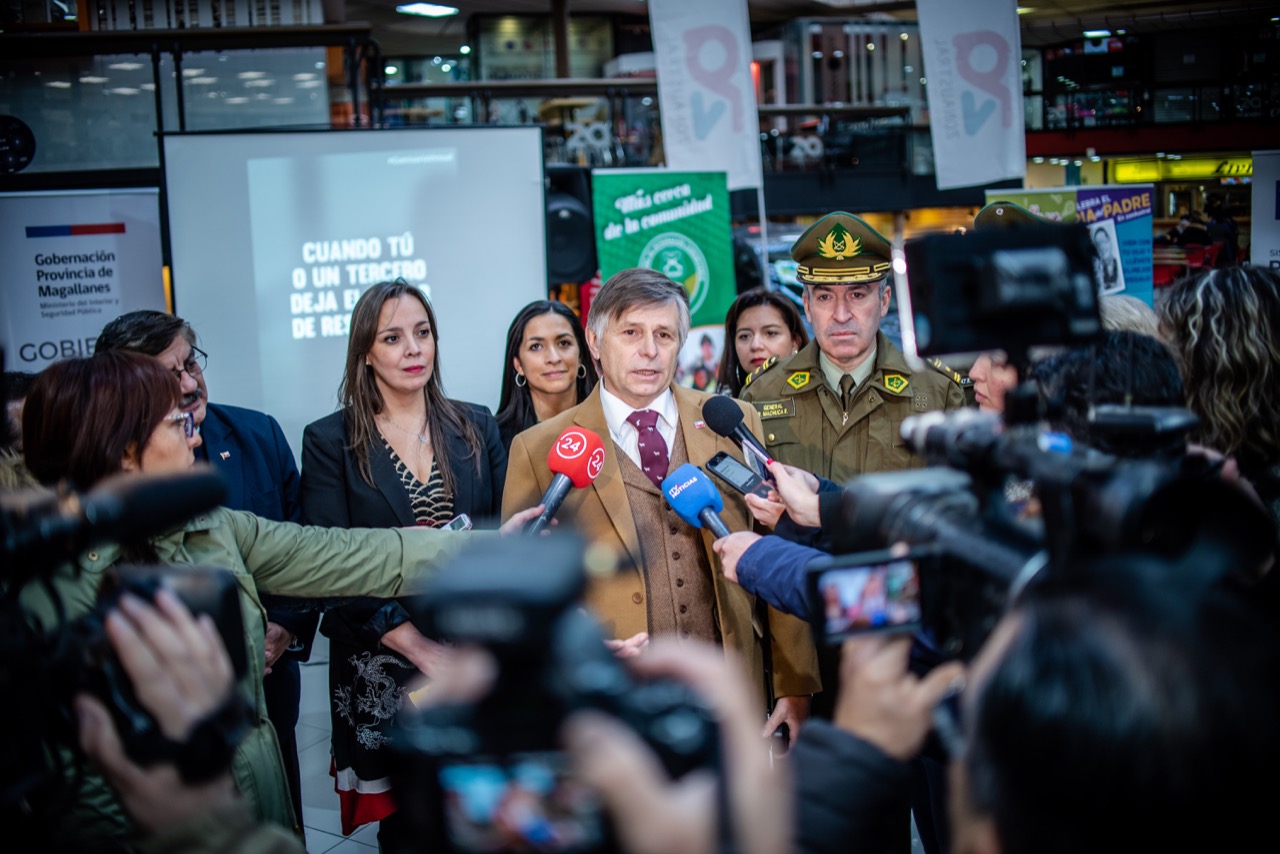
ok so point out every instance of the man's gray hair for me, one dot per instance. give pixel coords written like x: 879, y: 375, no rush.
x: 637, y: 286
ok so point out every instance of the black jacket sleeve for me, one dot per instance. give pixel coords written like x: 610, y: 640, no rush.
x: 845, y: 789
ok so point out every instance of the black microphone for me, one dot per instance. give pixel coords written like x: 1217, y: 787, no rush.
x: 123, y: 507
x: 725, y: 418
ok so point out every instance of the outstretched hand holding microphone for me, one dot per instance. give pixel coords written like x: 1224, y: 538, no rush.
x: 575, y: 460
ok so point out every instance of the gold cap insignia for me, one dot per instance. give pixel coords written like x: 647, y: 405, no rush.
x: 837, y: 244
x: 896, y: 383
x: 798, y: 380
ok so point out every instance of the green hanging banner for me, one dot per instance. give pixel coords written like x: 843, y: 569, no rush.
x: 674, y: 222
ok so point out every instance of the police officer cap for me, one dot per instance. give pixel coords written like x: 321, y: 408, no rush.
x: 840, y: 249
x: 1007, y: 215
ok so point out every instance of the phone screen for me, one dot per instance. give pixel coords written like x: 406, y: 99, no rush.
x: 520, y: 802
x: 880, y: 597
x: 737, y: 475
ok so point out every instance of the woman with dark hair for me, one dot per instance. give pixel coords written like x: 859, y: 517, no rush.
x: 760, y: 325
x: 547, y: 368
x: 120, y: 413
x: 398, y: 453
x: 1224, y: 329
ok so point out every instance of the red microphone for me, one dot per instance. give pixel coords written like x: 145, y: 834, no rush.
x: 575, y: 459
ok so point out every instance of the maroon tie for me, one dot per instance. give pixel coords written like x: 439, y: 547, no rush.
x: 654, y: 456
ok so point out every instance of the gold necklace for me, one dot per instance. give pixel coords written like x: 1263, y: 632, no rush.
x: 423, y: 438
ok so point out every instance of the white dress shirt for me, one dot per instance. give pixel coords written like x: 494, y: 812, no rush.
x: 624, y: 433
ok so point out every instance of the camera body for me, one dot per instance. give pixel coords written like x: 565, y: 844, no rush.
x: 488, y: 775
x: 86, y: 661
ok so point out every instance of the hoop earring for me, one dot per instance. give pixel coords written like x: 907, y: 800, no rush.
x: 519, y: 377
x: 582, y: 371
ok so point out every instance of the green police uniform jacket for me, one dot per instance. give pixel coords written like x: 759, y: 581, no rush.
x: 804, y: 425
x: 274, y: 557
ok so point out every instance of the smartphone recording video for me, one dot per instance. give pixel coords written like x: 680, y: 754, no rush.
x: 521, y: 802
x: 858, y: 594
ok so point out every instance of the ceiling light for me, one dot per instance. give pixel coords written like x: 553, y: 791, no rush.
x: 125, y: 66
x: 58, y: 84
x: 903, y: 36
x: 1037, y: 160
x: 238, y: 100
x: 89, y: 78
x: 192, y: 72
x: 390, y: 71
x: 1025, y: 10
x: 282, y: 101
x: 871, y: 45
x: 427, y: 10
x: 251, y: 75
x: 259, y: 83
x: 203, y: 81
x: 306, y: 75
x: 446, y: 68
x: 1096, y: 34
x: 837, y: 53
x: 309, y: 84
x: 1121, y: 32
x: 150, y: 87
x: 465, y: 49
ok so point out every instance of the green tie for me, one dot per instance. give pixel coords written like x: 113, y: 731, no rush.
x: 846, y: 391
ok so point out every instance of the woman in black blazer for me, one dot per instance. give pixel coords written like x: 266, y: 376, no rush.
x: 399, y: 453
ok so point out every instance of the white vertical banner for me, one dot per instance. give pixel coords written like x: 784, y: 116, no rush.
x: 702, y: 50
x: 972, y: 59
x: 1264, y: 225
x: 70, y: 262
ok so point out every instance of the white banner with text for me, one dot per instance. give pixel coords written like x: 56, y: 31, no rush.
x: 973, y: 62
x: 702, y: 49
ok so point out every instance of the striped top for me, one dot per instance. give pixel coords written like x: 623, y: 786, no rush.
x: 432, y: 506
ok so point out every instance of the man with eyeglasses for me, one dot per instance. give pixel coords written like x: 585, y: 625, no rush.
x: 250, y: 451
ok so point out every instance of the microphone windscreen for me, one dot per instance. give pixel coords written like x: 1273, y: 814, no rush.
x: 722, y: 415
x: 689, y: 492
x: 140, y: 506
x: 578, y: 455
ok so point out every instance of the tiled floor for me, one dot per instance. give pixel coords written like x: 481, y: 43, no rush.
x: 319, y: 802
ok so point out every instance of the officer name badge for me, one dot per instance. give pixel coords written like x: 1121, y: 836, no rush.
x: 896, y: 383
x: 798, y: 380
x: 776, y: 409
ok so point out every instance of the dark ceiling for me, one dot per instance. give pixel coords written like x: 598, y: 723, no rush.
x: 1047, y: 22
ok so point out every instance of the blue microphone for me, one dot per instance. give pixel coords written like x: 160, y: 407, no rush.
x: 695, y: 499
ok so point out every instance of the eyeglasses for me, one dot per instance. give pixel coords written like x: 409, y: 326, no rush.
x: 188, y: 420
x: 193, y: 366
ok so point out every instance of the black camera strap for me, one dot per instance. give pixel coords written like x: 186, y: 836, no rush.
x: 208, y: 750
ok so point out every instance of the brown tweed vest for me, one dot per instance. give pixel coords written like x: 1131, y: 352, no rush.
x: 677, y: 574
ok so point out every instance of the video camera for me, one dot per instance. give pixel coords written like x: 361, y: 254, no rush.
x: 49, y: 661
x: 490, y: 773
x: 972, y: 548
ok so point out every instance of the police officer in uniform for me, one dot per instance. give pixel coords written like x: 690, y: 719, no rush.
x: 836, y: 407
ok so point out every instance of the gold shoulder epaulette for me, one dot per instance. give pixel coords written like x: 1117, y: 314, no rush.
x: 768, y: 363
x: 946, y: 370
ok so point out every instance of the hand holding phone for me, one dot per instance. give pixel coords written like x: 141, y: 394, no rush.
x: 737, y: 475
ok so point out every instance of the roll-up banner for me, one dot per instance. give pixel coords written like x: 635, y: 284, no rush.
x: 1119, y: 219
x: 678, y: 224
x: 70, y: 262
x: 972, y: 61
x: 1264, y: 225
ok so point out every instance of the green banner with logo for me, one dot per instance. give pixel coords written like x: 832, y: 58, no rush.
x: 674, y: 222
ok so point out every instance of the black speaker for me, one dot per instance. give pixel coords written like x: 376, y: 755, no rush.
x: 571, y: 237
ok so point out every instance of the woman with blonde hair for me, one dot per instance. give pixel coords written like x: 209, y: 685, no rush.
x: 1224, y: 329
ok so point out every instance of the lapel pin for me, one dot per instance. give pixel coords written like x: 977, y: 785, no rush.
x: 226, y: 455
x: 698, y: 425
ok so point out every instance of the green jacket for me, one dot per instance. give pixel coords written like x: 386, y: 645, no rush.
x: 272, y: 557
x: 805, y: 426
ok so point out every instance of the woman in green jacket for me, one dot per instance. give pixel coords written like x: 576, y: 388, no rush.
x: 87, y: 419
